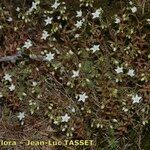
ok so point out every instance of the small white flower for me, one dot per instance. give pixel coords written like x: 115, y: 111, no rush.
x: 63, y: 129
x: 55, y: 5
x: 70, y: 52
x: 34, y: 83
x: 148, y: 20
x: 130, y: 2
x: 124, y: 109
x: 27, y: 44
x: 144, y: 122
x: 95, y: 48
x: 48, y: 21
x: 65, y: 118
x: 24, y: 94
x: 117, y: 80
x: 56, y: 122
x: 34, y: 5
x: 12, y: 87
x: 82, y: 97
x: 117, y: 20
x: 119, y: 70
x: 49, y: 56
x: 7, y: 77
x: 79, y: 24
x: 134, y: 9
x: 73, y: 110
x: 77, y: 35
x: 21, y: 116
x: 72, y: 128
x: 44, y: 35
x: 18, y: 9
x: 131, y: 72
x: 114, y: 49
x: 75, y: 73
x: 9, y: 19
x: 79, y: 13
x: 136, y: 98
x: 98, y: 125
x: 97, y: 13
x: 114, y: 120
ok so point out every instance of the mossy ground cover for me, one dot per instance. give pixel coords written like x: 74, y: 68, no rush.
x: 77, y: 70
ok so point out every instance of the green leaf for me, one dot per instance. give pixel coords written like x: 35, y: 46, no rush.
x: 87, y: 66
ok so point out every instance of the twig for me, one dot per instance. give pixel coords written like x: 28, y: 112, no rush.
x: 15, y: 57
x: 12, y: 58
